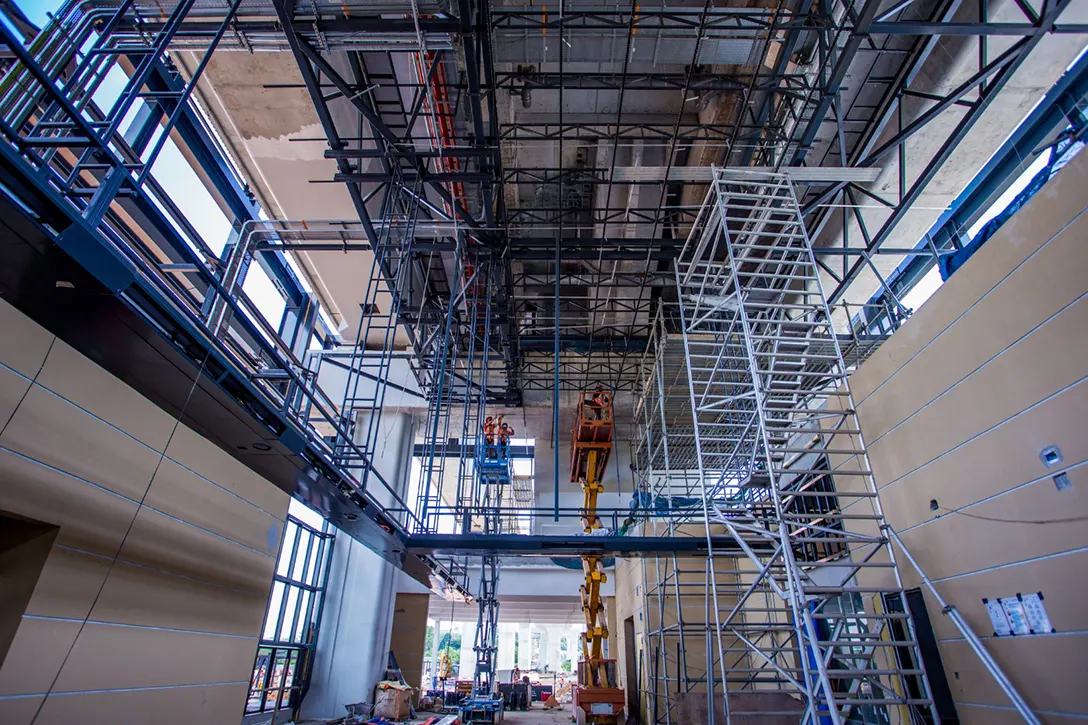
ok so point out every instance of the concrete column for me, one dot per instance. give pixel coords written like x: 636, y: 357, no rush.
x: 555, y: 656
x: 353, y: 645
x: 505, y: 656
x: 525, y: 646
x: 574, y: 646
x: 436, y: 651
x: 467, y: 667
x: 544, y: 639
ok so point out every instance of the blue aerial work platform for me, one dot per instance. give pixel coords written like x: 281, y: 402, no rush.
x: 494, y: 465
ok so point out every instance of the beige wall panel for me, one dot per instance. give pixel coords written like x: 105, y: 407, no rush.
x: 209, y: 460
x: 1056, y: 204
x: 12, y: 389
x: 981, y: 715
x: 998, y: 391
x: 1003, y: 458
x: 49, y: 429
x: 91, y: 387
x: 36, y: 655
x: 89, y: 517
x: 19, y: 710
x: 68, y: 585
x: 136, y: 595
x: 181, y: 493
x: 1035, y: 292
x: 33, y: 341
x: 1048, y: 671
x: 108, y: 656
x: 1063, y: 580
x: 207, y: 705
x: 161, y: 542
x: 409, y: 635
x: 957, y: 544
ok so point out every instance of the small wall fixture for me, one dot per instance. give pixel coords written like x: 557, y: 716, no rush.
x: 1050, y: 456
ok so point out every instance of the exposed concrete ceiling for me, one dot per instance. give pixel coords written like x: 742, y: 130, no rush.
x: 269, y: 124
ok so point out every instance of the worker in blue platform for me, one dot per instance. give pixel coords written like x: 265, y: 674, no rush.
x: 505, y: 433
x: 489, y: 436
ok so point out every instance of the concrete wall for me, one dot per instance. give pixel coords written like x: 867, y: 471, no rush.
x: 956, y: 407
x: 152, y: 595
x: 618, y: 484
x: 353, y: 644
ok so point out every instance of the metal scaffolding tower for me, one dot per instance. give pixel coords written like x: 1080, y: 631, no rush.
x: 749, y: 429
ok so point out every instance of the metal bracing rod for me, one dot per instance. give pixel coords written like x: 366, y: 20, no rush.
x: 1006, y: 66
x: 324, y: 116
x: 979, y: 648
x: 311, y: 55
x: 889, y: 102
x: 641, y: 81
x: 830, y: 87
x: 181, y: 102
x: 647, y: 18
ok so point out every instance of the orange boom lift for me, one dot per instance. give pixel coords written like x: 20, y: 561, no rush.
x: 596, y: 698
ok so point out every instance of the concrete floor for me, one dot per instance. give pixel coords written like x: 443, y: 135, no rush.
x: 538, y: 716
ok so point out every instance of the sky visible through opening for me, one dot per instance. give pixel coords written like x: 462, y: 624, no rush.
x: 177, y: 177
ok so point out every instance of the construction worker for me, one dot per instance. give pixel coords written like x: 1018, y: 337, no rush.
x: 489, y: 431
x: 597, y: 403
x: 505, y: 432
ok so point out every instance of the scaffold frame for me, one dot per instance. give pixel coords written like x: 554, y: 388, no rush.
x: 772, y: 455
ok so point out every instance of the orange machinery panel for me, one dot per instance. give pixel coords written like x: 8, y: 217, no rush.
x: 592, y: 431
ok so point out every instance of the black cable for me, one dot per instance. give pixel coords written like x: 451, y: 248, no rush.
x: 1070, y: 520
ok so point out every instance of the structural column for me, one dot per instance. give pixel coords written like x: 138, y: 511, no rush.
x: 574, y: 646
x: 467, y: 668
x: 544, y: 639
x: 435, y: 650
x: 525, y: 646
x: 353, y: 644
x: 554, y: 656
x: 505, y: 656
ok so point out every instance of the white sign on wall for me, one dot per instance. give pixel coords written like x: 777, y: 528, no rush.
x: 997, y: 617
x: 1014, y: 612
x: 1021, y: 615
x: 1036, y: 613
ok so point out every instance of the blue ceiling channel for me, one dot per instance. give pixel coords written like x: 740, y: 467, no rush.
x: 208, y: 157
x: 1058, y: 109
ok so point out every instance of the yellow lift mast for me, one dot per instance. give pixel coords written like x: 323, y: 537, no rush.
x: 596, y: 698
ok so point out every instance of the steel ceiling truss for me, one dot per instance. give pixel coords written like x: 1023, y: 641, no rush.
x: 433, y: 130
x: 834, y: 78
x: 855, y: 133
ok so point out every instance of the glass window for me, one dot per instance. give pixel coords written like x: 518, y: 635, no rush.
x: 281, y: 670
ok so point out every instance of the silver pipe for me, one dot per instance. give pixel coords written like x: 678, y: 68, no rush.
x: 972, y: 639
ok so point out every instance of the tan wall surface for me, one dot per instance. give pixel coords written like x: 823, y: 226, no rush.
x: 629, y: 603
x: 152, y: 597
x: 409, y: 635
x: 956, y: 408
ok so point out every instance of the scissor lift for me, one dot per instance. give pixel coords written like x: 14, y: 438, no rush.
x: 596, y: 698
x: 483, y: 705
x: 494, y: 465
